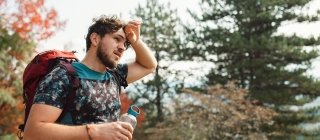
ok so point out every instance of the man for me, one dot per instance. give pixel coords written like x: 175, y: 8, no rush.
x: 95, y: 110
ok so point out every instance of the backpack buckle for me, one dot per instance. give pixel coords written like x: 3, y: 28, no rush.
x: 20, y: 134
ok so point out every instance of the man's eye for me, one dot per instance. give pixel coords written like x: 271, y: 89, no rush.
x: 127, y: 44
x: 117, y: 39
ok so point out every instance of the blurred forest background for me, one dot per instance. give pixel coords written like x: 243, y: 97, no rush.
x: 256, y: 87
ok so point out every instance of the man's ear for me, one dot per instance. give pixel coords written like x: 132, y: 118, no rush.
x: 95, y: 39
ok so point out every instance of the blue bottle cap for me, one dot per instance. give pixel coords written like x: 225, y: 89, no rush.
x: 134, y: 110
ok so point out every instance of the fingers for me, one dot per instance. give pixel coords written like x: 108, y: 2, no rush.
x: 132, y: 32
x: 121, y: 136
x: 133, y: 25
x: 114, y: 130
x: 131, y: 28
x: 124, y: 131
x: 135, y: 22
x: 127, y: 126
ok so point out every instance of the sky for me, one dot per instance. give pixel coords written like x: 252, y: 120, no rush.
x: 78, y: 15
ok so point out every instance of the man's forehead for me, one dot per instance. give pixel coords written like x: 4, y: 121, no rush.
x: 120, y: 33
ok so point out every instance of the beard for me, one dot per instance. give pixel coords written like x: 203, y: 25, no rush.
x: 105, y: 58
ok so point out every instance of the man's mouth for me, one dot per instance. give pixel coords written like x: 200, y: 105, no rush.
x: 117, y: 54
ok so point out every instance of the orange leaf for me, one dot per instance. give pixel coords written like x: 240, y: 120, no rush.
x: 31, y: 19
x: 40, y: 3
x: 36, y: 19
x: 46, y: 24
x: 52, y: 14
x: 2, y: 2
x: 30, y: 8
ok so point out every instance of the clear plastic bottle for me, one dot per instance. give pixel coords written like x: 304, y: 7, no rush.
x: 131, y: 116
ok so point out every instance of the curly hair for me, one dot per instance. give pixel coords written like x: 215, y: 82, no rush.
x: 102, y: 26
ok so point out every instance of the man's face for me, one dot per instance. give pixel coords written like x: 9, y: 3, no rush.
x: 110, y: 48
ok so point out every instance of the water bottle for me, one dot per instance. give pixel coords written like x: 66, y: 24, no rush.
x: 131, y: 116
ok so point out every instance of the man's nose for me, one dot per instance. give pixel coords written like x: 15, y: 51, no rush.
x: 121, y: 47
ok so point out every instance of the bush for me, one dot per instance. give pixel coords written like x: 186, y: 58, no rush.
x: 221, y: 113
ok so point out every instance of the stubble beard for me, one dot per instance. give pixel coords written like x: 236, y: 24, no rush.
x: 105, y: 58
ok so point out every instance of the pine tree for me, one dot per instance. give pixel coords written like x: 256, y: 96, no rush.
x: 241, y: 39
x: 160, y: 33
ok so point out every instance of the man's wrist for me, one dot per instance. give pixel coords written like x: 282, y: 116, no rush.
x: 137, y: 42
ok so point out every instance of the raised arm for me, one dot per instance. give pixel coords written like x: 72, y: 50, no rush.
x: 145, y: 62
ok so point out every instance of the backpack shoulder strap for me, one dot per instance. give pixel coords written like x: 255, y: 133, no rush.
x: 72, y: 75
x: 121, y: 81
x: 74, y: 85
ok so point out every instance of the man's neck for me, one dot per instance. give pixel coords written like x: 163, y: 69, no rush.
x: 93, y: 63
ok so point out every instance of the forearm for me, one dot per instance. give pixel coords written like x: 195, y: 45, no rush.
x: 52, y: 131
x: 144, y: 56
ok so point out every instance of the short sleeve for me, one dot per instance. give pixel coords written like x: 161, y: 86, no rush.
x: 53, y: 89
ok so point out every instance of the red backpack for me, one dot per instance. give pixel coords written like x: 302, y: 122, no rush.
x: 41, y: 65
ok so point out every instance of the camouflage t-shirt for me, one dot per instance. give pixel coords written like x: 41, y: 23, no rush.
x: 97, y: 100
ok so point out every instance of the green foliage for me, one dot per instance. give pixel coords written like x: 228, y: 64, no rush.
x: 159, y: 28
x: 241, y: 37
x: 7, y: 137
x: 159, y: 31
x: 14, y: 52
x: 242, y: 41
x: 6, y: 98
x: 22, y: 23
